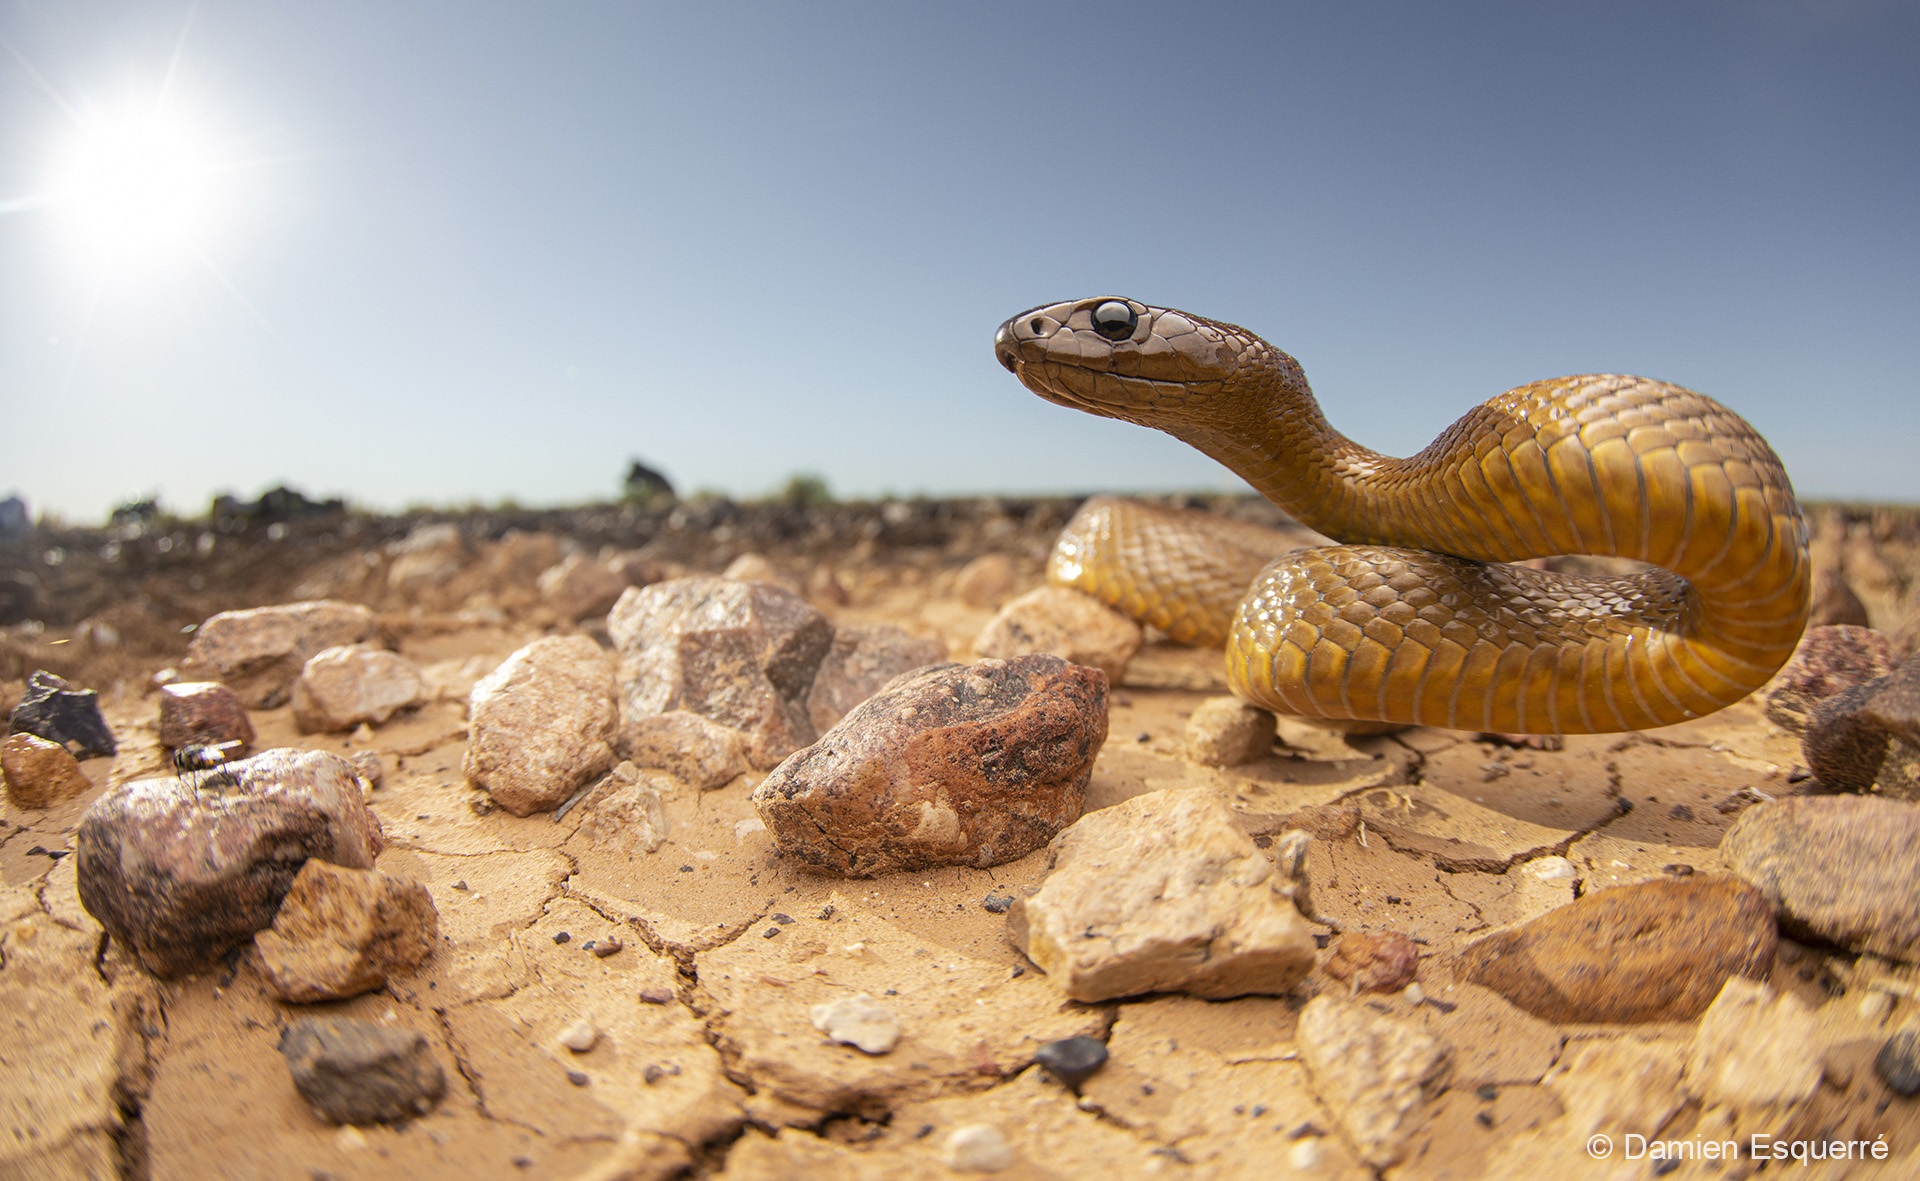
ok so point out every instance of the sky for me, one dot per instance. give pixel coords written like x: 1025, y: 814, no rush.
x: 437, y: 252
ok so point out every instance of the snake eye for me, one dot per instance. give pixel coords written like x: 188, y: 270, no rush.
x: 1114, y: 320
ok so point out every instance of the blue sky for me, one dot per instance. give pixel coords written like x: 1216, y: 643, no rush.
x: 438, y: 252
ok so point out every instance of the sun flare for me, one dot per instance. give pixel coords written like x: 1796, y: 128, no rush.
x: 136, y: 184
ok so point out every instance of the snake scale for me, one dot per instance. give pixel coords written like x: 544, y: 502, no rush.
x: 1419, y: 615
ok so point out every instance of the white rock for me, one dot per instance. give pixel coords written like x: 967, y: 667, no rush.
x: 542, y: 724
x: 581, y: 1036
x: 698, y: 751
x: 1065, y: 623
x: 1373, y: 1071
x: 1754, y: 1048
x: 258, y: 652
x: 1163, y: 893
x: 1551, y: 869
x: 977, y: 1148
x: 578, y: 586
x: 628, y: 811
x: 355, y: 684
x: 1226, y: 732
x: 858, y: 1021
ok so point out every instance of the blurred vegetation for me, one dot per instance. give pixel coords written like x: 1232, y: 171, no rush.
x: 805, y: 490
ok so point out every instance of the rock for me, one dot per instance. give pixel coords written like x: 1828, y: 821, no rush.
x: 258, y: 653
x: 858, y: 1021
x: 579, y: 586
x: 1162, y: 893
x: 341, y: 932
x: 1619, y: 1086
x: 1850, y: 736
x: 542, y: 724
x: 203, y: 713
x: 751, y: 567
x: 976, y: 1148
x: 986, y: 582
x: 1374, y: 961
x: 1654, y: 951
x: 741, y: 653
x: 180, y: 870
x: 1834, y: 603
x: 1829, y: 660
x: 1065, y: 623
x: 56, y: 711
x: 1226, y: 732
x: 367, y: 765
x: 1754, y: 1049
x: 340, y: 688
x: 863, y: 659
x: 359, y: 1072
x: 581, y: 1036
x: 691, y: 747
x: 1072, y: 1060
x: 1841, y: 869
x: 627, y: 811
x: 39, y: 773
x: 1898, y: 1063
x: 953, y: 765
x: 1373, y: 1071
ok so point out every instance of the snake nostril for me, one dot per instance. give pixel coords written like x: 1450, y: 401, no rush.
x: 1037, y: 325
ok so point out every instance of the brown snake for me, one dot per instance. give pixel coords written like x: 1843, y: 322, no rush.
x: 1417, y: 618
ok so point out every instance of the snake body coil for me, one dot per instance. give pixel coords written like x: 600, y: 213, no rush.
x: 1418, y: 617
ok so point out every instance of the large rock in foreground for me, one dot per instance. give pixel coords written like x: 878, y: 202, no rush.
x: 1374, y: 1071
x: 341, y: 932
x: 1842, y: 869
x: 181, y: 870
x: 952, y: 765
x: 542, y: 724
x: 742, y: 653
x: 1869, y: 736
x: 258, y: 652
x: 1654, y: 951
x: 1163, y: 893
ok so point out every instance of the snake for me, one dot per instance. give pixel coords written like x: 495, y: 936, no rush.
x: 1431, y: 608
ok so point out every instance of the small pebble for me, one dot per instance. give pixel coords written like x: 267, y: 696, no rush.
x: 770, y: 932
x: 1486, y: 1092
x: 997, y: 903
x: 1898, y: 1063
x: 561, y: 936
x: 578, y: 1078
x: 653, y: 1073
x: 1874, y: 1006
x: 977, y: 1148
x: 1072, y: 1060
x: 1305, y: 1154
x: 606, y: 947
x: 858, y: 1021
x: 655, y: 996
x: 581, y: 1036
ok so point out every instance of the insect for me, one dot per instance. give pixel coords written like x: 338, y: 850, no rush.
x: 204, y: 765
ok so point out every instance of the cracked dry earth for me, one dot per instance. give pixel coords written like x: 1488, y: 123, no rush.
x: 708, y: 1065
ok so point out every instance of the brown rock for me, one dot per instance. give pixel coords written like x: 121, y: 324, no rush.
x: 180, y: 870
x: 361, y: 1072
x: 860, y: 663
x: 39, y: 773
x: 1162, y: 893
x: 1065, y: 623
x: 258, y: 653
x: 1374, y: 961
x: 987, y: 581
x: 1835, y: 604
x: 1829, y: 660
x: 341, y: 932
x: 1869, y: 735
x: 203, y: 713
x: 578, y: 586
x: 1842, y: 869
x: 695, y: 749
x: 342, y: 687
x: 741, y: 653
x: 627, y: 811
x: 751, y: 567
x: 953, y: 765
x: 1226, y: 732
x: 542, y: 724
x: 1653, y: 951
x: 1375, y: 1072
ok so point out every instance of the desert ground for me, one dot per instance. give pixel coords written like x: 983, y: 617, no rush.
x: 690, y: 954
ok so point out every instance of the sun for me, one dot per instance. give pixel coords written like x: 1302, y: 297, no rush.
x: 136, y: 184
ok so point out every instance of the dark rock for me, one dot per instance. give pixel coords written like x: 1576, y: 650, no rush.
x: 1829, y: 660
x: 1834, y: 602
x: 953, y: 765
x: 1898, y: 1063
x: 1375, y: 961
x: 360, y: 1072
x: 40, y: 774
x: 1072, y: 1060
x: 182, y: 869
x: 203, y: 713
x: 1653, y: 951
x: 58, y: 712
x: 1869, y: 735
x: 860, y: 663
x: 997, y: 903
x: 258, y: 653
x: 1840, y: 868
x: 742, y: 653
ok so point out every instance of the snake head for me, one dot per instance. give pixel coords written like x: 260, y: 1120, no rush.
x: 1124, y: 359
